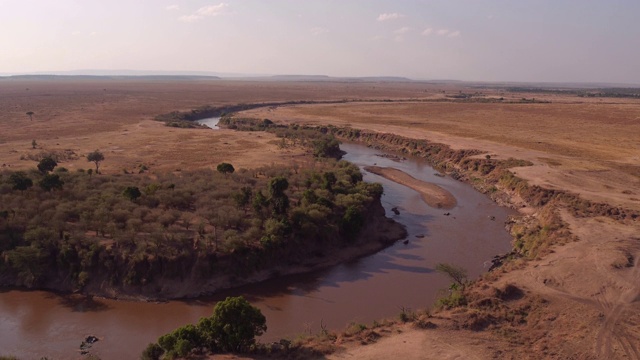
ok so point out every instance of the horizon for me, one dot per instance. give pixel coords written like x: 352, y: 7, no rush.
x: 96, y: 73
x: 525, y: 42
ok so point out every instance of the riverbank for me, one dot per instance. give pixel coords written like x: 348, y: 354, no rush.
x: 378, y: 233
x: 432, y: 194
x: 579, y: 216
x: 188, y: 248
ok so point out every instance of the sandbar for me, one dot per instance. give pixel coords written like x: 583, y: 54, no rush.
x: 432, y: 194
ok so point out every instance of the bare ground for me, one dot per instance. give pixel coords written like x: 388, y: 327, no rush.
x: 590, y: 287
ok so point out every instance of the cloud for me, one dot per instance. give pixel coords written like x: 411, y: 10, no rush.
x: 402, y: 30
x: 442, y: 32
x: 319, y: 31
x: 211, y: 10
x: 173, y: 7
x: 389, y: 16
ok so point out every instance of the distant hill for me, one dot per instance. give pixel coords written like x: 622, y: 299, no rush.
x: 331, y: 78
x: 119, y: 73
x: 109, y: 77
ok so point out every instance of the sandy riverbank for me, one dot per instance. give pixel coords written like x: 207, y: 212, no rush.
x: 432, y: 194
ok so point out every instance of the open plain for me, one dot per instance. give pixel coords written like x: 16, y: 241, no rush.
x: 579, y: 298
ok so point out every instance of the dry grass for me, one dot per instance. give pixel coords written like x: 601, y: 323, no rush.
x: 585, y: 146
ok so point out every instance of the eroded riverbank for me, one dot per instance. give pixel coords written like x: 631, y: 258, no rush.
x: 363, y: 290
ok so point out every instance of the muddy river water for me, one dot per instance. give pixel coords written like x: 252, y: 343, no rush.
x: 36, y: 324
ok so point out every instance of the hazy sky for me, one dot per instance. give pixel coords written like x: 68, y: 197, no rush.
x: 493, y: 40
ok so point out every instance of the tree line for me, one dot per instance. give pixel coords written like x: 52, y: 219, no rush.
x: 132, y: 230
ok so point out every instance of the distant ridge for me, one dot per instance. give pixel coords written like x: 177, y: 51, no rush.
x: 189, y: 75
x: 97, y: 72
x: 207, y: 75
x: 109, y: 77
x: 331, y: 78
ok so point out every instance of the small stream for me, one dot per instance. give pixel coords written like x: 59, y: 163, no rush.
x: 35, y: 324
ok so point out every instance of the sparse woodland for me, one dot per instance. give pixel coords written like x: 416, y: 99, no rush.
x: 135, y: 230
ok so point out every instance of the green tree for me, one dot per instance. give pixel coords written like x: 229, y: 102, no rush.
x: 352, y: 222
x: 327, y: 146
x: 132, y: 193
x: 51, y: 182
x: 234, y: 325
x: 96, y: 157
x: 278, y: 198
x: 225, y: 168
x: 243, y: 197
x: 46, y: 165
x: 20, y: 181
x: 277, y: 186
x: 328, y: 180
x: 30, y: 113
x: 153, y: 351
x: 180, y: 342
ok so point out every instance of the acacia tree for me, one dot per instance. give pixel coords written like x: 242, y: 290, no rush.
x: 47, y: 164
x: 225, y: 168
x: 456, y: 273
x: 30, y: 113
x: 96, y: 157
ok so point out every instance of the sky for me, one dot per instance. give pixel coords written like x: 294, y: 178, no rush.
x: 472, y: 40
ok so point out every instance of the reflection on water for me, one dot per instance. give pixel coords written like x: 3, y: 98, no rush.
x: 36, y: 324
x: 210, y: 122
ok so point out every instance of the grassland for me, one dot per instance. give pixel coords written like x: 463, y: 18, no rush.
x: 580, y: 282
x: 577, y: 299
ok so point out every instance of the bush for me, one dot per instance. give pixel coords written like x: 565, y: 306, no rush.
x: 233, y: 327
x: 152, y: 352
x: 235, y: 324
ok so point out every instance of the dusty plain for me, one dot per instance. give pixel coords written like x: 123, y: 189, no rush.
x: 583, y: 297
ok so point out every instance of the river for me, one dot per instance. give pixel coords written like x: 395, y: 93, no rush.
x: 210, y: 122
x: 35, y: 324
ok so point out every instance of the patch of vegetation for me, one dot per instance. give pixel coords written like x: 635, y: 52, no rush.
x: 457, y: 290
x: 233, y: 327
x: 209, y: 111
x: 184, y: 124
x: 319, y: 140
x: 133, y: 230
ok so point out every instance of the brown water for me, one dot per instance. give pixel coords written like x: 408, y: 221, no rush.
x: 36, y: 324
